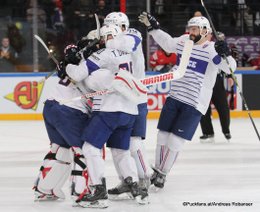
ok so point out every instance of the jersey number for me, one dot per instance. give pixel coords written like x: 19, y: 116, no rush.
x: 127, y: 66
x: 65, y: 81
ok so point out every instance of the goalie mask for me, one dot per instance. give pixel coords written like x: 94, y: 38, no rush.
x: 117, y: 18
x: 109, y: 32
x: 203, y: 25
x: 71, y: 55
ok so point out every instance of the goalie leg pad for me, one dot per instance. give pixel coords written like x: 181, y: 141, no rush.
x: 56, y: 173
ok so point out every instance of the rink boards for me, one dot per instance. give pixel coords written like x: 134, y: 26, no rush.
x: 22, y: 96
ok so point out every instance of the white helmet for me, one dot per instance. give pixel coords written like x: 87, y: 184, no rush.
x: 202, y: 23
x: 109, y: 30
x: 117, y: 18
x: 92, y: 34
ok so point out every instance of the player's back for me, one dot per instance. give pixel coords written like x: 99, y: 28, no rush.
x: 111, y: 59
x: 130, y: 41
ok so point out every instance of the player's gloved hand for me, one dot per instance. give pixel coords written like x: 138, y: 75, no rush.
x: 221, y: 48
x: 92, y: 47
x: 83, y: 42
x: 149, y: 21
x: 61, y: 70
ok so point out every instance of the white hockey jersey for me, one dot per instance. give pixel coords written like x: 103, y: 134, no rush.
x: 112, y: 60
x: 131, y: 41
x: 66, y: 90
x: 195, y: 88
x: 112, y: 102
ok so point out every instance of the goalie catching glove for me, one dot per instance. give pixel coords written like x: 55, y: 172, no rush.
x: 130, y: 87
x: 149, y: 21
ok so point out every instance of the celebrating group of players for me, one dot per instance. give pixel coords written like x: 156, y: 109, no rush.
x: 79, y: 130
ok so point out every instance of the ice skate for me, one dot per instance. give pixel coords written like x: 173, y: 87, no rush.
x: 158, y: 179
x: 40, y: 196
x: 97, y: 199
x: 140, y: 195
x: 207, y: 138
x: 120, y: 192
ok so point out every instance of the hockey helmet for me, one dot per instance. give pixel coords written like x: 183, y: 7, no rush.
x: 117, y: 18
x: 107, y: 30
x: 202, y: 23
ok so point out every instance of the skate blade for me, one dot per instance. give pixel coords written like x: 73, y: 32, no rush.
x: 207, y: 140
x: 123, y: 196
x: 228, y: 140
x: 75, y: 204
x: 154, y: 189
x: 95, y: 204
x: 141, y: 201
x: 46, y: 199
x: 39, y: 197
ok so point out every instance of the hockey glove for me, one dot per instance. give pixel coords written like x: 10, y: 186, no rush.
x: 221, y: 48
x: 149, y: 21
x: 61, y: 70
x: 91, y: 48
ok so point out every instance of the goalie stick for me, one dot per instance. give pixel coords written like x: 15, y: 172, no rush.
x: 53, y: 72
x: 232, y: 73
x: 157, y: 79
x: 94, y: 42
x: 50, y: 54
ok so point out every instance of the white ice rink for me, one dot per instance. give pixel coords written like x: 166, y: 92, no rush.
x: 221, y: 172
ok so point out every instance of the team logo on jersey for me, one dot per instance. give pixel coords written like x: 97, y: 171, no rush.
x: 26, y: 94
x: 192, y: 64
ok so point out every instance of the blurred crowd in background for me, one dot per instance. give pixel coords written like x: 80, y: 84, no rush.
x: 61, y: 22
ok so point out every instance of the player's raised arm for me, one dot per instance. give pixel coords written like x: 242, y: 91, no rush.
x: 167, y: 42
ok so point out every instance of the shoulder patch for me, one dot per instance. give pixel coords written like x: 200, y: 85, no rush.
x: 216, y: 60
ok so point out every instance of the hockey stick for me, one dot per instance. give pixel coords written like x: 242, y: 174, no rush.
x: 170, y: 76
x: 98, y: 26
x: 50, y: 54
x: 94, y: 42
x: 232, y: 73
x: 57, y: 63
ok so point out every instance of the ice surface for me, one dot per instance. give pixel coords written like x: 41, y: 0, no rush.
x: 220, y: 172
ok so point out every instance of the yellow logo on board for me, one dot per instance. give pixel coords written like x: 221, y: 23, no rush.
x: 26, y: 94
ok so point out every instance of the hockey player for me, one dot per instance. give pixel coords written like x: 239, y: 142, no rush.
x: 131, y: 41
x: 64, y: 125
x: 190, y: 96
x: 112, y: 122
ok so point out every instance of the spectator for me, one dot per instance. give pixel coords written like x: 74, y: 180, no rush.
x: 243, y: 17
x: 17, y: 41
x: 8, y: 56
x: 162, y: 61
x: 102, y: 11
